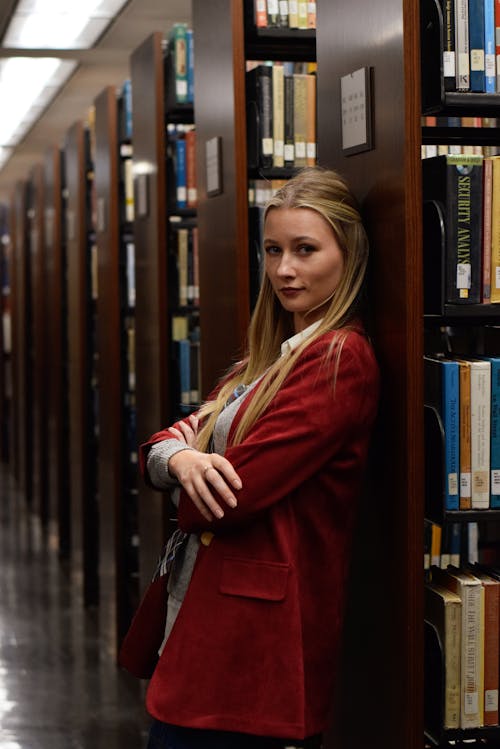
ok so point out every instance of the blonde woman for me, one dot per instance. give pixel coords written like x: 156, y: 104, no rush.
x: 266, y: 477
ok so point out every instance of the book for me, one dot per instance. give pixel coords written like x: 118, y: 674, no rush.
x: 441, y: 382
x: 178, y: 48
x: 302, y: 13
x: 278, y: 115
x: 495, y: 230
x: 311, y: 14
x: 477, y: 49
x: 470, y: 592
x: 300, y: 118
x: 456, y: 181
x: 436, y: 538
x: 191, y: 184
x: 462, y: 60
x: 283, y: 14
x: 272, y: 13
x: 182, y: 265
x: 259, y: 117
x: 260, y: 13
x: 480, y: 406
x: 289, y: 148
x: 190, y: 65
x: 494, y: 432
x: 443, y: 610
x: 497, y: 42
x: 489, y: 46
x: 487, y: 197
x: 465, y: 436
x: 448, y: 12
x: 491, y: 658
x: 180, y: 172
x: 311, y: 121
x: 293, y: 14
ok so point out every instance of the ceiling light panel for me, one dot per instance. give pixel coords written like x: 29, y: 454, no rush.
x: 28, y: 84
x: 59, y: 24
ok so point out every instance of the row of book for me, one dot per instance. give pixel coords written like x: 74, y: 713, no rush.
x: 180, y: 64
x: 126, y: 192
x: 186, y: 359
x: 430, y: 150
x: 181, y: 165
x: 262, y: 190
x: 462, y: 225
x: 465, y: 121
x: 448, y: 544
x: 471, y: 54
x: 185, y: 265
x: 463, y: 395
x: 462, y: 605
x: 285, y: 14
x: 281, y: 115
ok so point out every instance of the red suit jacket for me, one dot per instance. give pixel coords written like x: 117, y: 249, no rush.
x: 255, y: 645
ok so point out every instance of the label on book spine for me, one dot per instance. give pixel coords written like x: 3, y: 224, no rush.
x: 464, y: 276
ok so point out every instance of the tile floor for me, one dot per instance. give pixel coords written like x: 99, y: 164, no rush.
x: 58, y: 689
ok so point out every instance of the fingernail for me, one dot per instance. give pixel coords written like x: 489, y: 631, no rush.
x: 219, y: 513
x: 232, y: 502
x: 237, y: 484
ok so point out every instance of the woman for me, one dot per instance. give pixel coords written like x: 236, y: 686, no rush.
x: 269, y: 470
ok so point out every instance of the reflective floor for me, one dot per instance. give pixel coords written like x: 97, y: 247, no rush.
x: 58, y: 687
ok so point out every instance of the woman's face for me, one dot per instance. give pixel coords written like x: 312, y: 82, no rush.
x: 303, y: 261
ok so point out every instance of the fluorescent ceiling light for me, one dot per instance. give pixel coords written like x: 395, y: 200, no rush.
x: 28, y: 84
x: 59, y: 24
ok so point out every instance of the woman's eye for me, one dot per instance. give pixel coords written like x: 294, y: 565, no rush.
x: 272, y: 250
x: 305, y: 249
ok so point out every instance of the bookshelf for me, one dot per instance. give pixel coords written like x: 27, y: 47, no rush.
x: 57, y: 349
x: 223, y: 219
x: 38, y: 341
x: 82, y: 452
x: 22, y: 393
x: 118, y: 582
x: 5, y: 337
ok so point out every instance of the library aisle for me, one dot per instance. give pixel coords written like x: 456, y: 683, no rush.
x: 59, y: 687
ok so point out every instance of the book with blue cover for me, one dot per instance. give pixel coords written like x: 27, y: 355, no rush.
x: 442, y: 395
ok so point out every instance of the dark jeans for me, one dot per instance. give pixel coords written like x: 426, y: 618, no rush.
x: 165, y: 736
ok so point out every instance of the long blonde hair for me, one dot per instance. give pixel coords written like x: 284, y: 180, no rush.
x: 326, y: 192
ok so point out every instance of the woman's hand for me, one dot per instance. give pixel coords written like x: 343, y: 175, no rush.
x: 187, y: 433
x: 199, y: 472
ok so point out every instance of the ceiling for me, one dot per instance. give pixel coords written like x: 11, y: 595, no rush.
x: 106, y: 64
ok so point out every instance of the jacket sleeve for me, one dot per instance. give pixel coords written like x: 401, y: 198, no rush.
x: 307, y: 425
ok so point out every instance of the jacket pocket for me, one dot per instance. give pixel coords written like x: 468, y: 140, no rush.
x: 251, y: 578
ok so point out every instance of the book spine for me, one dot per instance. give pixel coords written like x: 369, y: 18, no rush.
x: 191, y: 186
x: 289, y: 149
x: 311, y: 121
x: 491, y: 651
x: 453, y: 622
x: 182, y: 265
x: 129, y: 189
x: 302, y: 10
x: 480, y: 399
x: 449, y: 76
x: 489, y: 46
x: 311, y: 14
x: 260, y: 13
x: 495, y: 231
x: 487, y: 196
x: 300, y: 118
x: 272, y: 13
x: 190, y: 65
x: 471, y: 650
x: 283, y: 14
x: 464, y: 229
x: 477, y: 42
x: 185, y: 373
x: 293, y: 14
x: 278, y: 116
x: 497, y: 42
x: 127, y: 108
x: 462, y: 61
x: 130, y: 273
x: 465, y: 437
x: 180, y: 172
x: 196, y: 267
x: 179, y: 45
x: 450, y: 407
x: 495, y: 435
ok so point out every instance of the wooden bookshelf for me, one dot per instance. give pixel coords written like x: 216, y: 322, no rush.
x: 84, y: 515
x: 57, y: 387
x: 38, y: 349
x: 22, y: 395
x: 150, y: 232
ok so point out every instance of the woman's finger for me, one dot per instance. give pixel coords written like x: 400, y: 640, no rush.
x: 226, y: 470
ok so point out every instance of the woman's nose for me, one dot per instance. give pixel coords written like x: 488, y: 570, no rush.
x: 285, y: 267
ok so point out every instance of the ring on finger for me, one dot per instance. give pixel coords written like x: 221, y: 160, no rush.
x: 207, y: 468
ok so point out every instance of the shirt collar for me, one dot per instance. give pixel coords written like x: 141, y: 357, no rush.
x: 291, y: 343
